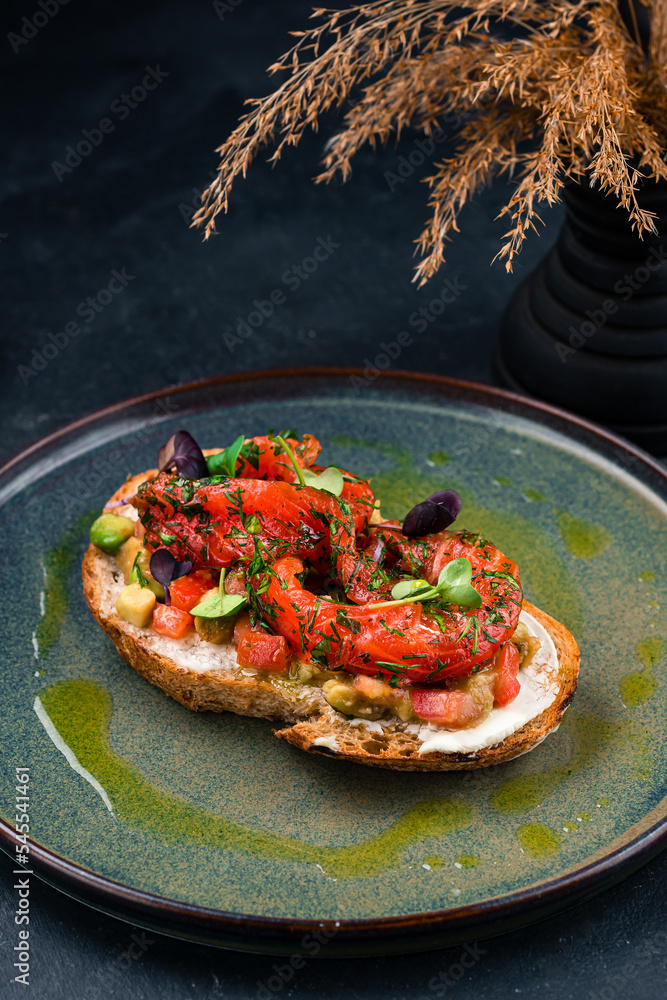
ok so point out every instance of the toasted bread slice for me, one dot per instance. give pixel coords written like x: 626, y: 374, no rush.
x: 206, y: 677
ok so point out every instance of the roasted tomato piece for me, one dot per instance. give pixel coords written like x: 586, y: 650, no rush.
x: 171, y: 621
x: 507, y: 667
x: 451, y: 709
x: 256, y: 648
x: 265, y: 458
x: 187, y: 591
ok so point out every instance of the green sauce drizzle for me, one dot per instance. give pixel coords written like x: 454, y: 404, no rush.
x: 57, y: 565
x: 582, y: 539
x: 534, y: 495
x: 592, y: 737
x: 81, y: 709
x: 468, y: 860
x: 638, y: 686
x: 651, y: 650
x: 538, y: 840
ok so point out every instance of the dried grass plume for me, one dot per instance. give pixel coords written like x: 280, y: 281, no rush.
x: 545, y: 91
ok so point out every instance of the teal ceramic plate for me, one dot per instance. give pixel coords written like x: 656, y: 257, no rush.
x: 206, y: 826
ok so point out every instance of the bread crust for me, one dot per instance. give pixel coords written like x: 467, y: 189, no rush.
x: 312, y: 723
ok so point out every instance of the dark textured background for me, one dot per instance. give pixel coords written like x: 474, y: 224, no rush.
x: 125, y: 207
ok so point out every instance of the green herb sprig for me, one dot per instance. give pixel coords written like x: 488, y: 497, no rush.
x: 453, y: 587
x: 136, y: 573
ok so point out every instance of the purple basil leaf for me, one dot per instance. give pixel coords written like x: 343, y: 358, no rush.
x: 183, y: 452
x: 166, y: 568
x: 434, y: 514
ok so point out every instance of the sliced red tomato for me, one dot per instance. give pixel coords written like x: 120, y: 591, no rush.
x: 187, y: 591
x: 256, y: 648
x: 171, y: 621
x: 451, y: 709
x: 507, y: 667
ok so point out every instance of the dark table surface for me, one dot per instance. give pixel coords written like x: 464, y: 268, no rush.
x: 66, y: 226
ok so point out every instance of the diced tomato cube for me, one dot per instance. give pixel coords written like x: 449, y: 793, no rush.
x: 187, y: 591
x: 171, y: 621
x: 256, y: 648
x: 266, y: 652
x: 242, y: 627
x: 451, y: 709
x: 507, y: 685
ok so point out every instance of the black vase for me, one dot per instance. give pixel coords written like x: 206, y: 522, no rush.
x: 587, y: 329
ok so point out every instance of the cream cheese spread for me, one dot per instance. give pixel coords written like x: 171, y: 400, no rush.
x: 539, y: 689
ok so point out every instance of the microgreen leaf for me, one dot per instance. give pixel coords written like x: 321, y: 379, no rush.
x: 216, y: 606
x: 331, y: 480
x: 165, y: 568
x: 465, y: 596
x: 454, y: 584
x: 453, y: 587
x: 455, y: 573
x: 408, y: 588
x: 434, y: 514
x: 220, y: 604
x: 182, y: 452
x: 224, y: 463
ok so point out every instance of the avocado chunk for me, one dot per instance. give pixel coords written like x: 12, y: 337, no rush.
x: 133, y: 551
x: 126, y: 555
x: 109, y: 532
x: 135, y: 605
x: 217, y: 630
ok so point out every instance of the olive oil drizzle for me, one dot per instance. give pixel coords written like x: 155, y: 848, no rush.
x: 80, y: 710
x: 59, y: 560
